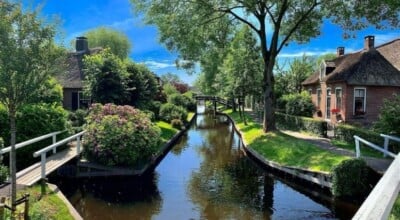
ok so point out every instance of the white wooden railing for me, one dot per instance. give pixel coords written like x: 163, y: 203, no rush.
x: 43, y: 151
x: 379, y: 203
x: 31, y: 141
x: 384, y: 150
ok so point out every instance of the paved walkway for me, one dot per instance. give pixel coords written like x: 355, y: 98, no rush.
x: 378, y: 164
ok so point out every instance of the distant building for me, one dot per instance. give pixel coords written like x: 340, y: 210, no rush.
x: 351, y: 88
x: 71, y: 81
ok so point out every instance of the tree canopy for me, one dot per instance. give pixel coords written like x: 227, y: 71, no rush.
x: 198, y: 28
x: 106, y: 37
x: 28, y: 57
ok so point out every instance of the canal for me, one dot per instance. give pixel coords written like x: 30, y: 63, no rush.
x: 205, y: 176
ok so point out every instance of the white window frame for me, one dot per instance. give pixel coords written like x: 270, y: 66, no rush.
x: 339, y: 88
x: 354, y: 99
x: 81, y: 96
x: 326, y: 103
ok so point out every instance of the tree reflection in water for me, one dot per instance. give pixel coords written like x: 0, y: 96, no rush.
x: 227, y: 185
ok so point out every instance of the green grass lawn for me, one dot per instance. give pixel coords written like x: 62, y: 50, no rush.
x: 395, y: 214
x: 48, y: 207
x: 365, y: 150
x: 284, y: 149
x: 167, y: 131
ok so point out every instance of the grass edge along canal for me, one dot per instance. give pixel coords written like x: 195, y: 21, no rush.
x: 284, y: 149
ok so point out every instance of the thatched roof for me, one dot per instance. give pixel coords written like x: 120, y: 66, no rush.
x: 73, y: 77
x: 378, y: 66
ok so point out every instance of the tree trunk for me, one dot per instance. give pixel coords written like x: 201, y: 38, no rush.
x: 244, y: 116
x: 233, y: 104
x: 13, y: 164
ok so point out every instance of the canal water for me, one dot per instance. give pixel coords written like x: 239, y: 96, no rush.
x: 205, y: 176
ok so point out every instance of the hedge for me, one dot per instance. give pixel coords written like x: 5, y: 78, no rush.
x: 351, y: 179
x: 298, y: 123
x: 345, y: 132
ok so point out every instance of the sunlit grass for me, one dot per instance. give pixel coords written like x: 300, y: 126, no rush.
x: 50, y: 206
x: 167, y: 131
x: 284, y: 149
x: 395, y: 214
x: 190, y: 116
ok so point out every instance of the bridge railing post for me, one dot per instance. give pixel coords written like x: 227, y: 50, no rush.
x: 357, y: 147
x: 386, y: 146
x: 43, y: 165
x: 78, y: 145
x: 54, y: 141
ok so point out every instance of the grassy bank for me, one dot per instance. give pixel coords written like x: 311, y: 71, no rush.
x: 48, y: 207
x: 365, y: 150
x: 395, y: 214
x: 284, y: 149
x: 167, y: 131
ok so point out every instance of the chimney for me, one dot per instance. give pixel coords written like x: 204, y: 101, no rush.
x: 340, y: 51
x: 369, y: 42
x: 81, y: 44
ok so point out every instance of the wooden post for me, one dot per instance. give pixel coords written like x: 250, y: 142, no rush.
x: 386, y: 146
x: 54, y: 141
x: 357, y: 148
x: 2, y: 204
x: 215, y: 107
x: 43, y: 187
x: 78, y: 145
x: 26, y: 213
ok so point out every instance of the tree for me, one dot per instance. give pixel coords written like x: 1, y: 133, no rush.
x: 106, y: 37
x: 142, y: 83
x: 289, y: 80
x: 242, y: 66
x: 193, y: 27
x: 170, y: 78
x: 105, y: 78
x: 27, y: 58
x: 388, y: 119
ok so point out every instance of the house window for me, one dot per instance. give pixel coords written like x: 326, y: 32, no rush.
x: 338, y: 94
x: 359, y: 101
x: 310, y: 91
x: 328, y: 103
x: 84, y: 101
x: 319, y: 98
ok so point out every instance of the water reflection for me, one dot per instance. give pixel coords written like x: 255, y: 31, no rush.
x: 206, y: 176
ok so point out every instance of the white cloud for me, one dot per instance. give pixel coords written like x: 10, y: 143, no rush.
x: 384, y: 38
x: 312, y: 53
x: 123, y: 25
x: 155, y: 65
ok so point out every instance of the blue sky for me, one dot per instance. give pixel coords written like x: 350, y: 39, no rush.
x: 79, y: 16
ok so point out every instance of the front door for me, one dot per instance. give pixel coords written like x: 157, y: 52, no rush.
x: 74, y: 101
x: 328, y: 103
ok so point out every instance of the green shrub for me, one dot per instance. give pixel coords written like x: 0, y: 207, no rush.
x: 77, y: 118
x: 298, y: 104
x: 182, y: 100
x: 32, y: 121
x: 351, y: 178
x: 177, y: 123
x: 120, y: 135
x: 345, y: 132
x: 389, y: 120
x: 297, y: 123
x: 153, y: 106
x: 170, y: 111
x: 3, y: 173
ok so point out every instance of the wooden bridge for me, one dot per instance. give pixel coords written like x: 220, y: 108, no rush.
x: 47, y: 165
x: 214, y: 99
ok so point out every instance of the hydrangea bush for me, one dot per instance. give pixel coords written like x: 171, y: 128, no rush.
x: 119, y: 135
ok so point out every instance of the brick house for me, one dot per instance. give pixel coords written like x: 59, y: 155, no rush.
x: 351, y: 88
x: 71, y: 81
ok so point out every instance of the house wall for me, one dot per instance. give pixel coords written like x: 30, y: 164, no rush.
x: 67, y: 100
x: 374, y: 101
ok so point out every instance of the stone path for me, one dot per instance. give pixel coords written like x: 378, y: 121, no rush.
x: 378, y: 164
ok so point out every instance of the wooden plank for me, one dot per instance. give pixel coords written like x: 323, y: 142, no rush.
x: 32, y: 174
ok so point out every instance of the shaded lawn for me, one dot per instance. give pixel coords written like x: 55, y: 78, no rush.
x: 395, y: 213
x: 284, y: 149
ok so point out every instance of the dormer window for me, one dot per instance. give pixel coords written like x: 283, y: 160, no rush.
x: 322, y: 70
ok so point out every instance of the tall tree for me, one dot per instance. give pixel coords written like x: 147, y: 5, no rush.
x: 242, y: 66
x: 190, y: 26
x: 288, y: 80
x: 142, y: 83
x: 106, y: 37
x: 27, y: 59
x: 105, y: 78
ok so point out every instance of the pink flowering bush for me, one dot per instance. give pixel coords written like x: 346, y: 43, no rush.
x: 119, y: 135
